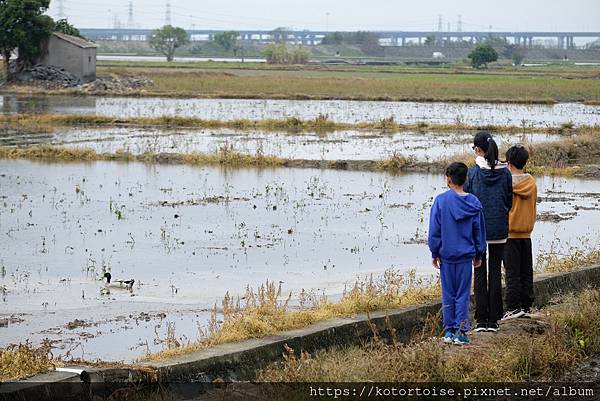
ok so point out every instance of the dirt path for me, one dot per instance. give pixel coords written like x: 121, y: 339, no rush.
x: 535, y: 324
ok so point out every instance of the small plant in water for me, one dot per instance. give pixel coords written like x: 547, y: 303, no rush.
x: 567, y: 125
x: 119, y: 211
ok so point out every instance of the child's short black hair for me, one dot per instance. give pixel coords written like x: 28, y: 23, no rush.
x: 457, y: 172
x: 517, y: 156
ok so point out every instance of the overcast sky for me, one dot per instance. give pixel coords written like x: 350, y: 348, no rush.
x: 543, y: 15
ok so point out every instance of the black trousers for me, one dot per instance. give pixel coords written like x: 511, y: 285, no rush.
x: 488, y: 286
x: 518, y: 265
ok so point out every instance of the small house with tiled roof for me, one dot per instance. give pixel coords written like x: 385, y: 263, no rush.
x: 74, y: 54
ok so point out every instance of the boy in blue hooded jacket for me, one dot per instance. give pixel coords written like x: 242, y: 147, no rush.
x: 457, y: 242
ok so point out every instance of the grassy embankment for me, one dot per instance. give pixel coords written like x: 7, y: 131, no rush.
x: 564, y: 157
x: 265, y: 313
x: 320, y: 124
x: 542, y: 348
x: 378, y: 86
x: 386, y: 83
x: 225, y: 156
x: 563, y: 70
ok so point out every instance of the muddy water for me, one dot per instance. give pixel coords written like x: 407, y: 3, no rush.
x: 336, y: 110
x: 342, y: 145
x: 187, y: 235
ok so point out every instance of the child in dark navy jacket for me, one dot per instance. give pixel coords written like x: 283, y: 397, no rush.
x: 491, y: 182
x: 457, y: 242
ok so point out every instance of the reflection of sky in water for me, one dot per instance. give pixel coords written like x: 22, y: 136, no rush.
x: 340, y: 145
x: 59, y: 221
x: 337, y: 110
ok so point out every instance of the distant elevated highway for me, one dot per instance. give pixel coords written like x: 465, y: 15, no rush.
x: 564, y: 40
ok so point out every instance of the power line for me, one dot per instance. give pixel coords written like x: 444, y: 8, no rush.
x: 168, y: 13
x: 459, y: 24
x: 130, y: 23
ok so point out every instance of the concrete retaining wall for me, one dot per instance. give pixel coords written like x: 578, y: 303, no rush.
x: 240, y: 360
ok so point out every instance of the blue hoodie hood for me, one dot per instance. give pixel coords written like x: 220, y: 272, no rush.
x: 456, y: 228
x: 463, y: 207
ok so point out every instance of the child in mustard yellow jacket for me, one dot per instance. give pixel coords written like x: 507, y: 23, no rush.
x: 518, y: 258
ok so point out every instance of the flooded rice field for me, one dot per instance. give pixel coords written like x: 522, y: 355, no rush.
x: 187, y: 235
x: 339, y: 145
x: 336, y: 110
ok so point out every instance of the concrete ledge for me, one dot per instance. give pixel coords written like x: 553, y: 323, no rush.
x: 41, y: 387
x: 235, y: 361
x: 239, y: 361
x: 550, y: 285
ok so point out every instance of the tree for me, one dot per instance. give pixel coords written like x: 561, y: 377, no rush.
x: 430, y: 40
x: 514, y: 52
x: 282, y: 54
x: 63, y: 26
x: 518, y: 56
x: 227, y: 40
x: 482, y: 55
x: 31, y: 49
x: 167, y: 39
x: 24, y: 27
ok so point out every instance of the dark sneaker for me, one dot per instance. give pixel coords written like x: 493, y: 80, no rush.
x: 480, y: 327
x: 512, y: 314
x: 493, y: 327
x: 448, y: 337
x: 461, y: 339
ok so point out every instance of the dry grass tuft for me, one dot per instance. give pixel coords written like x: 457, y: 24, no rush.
x: 564, y: 156
x: 225, y: 156
x: 267, y: 312
x: 552, y: 262
x: 228, y: 156
x: 49, y: 153
x: 24, y: 360
x: 321, y: 124
x: 395, y: 163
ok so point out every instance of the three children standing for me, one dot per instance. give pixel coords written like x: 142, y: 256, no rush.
x: 481, y: 222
